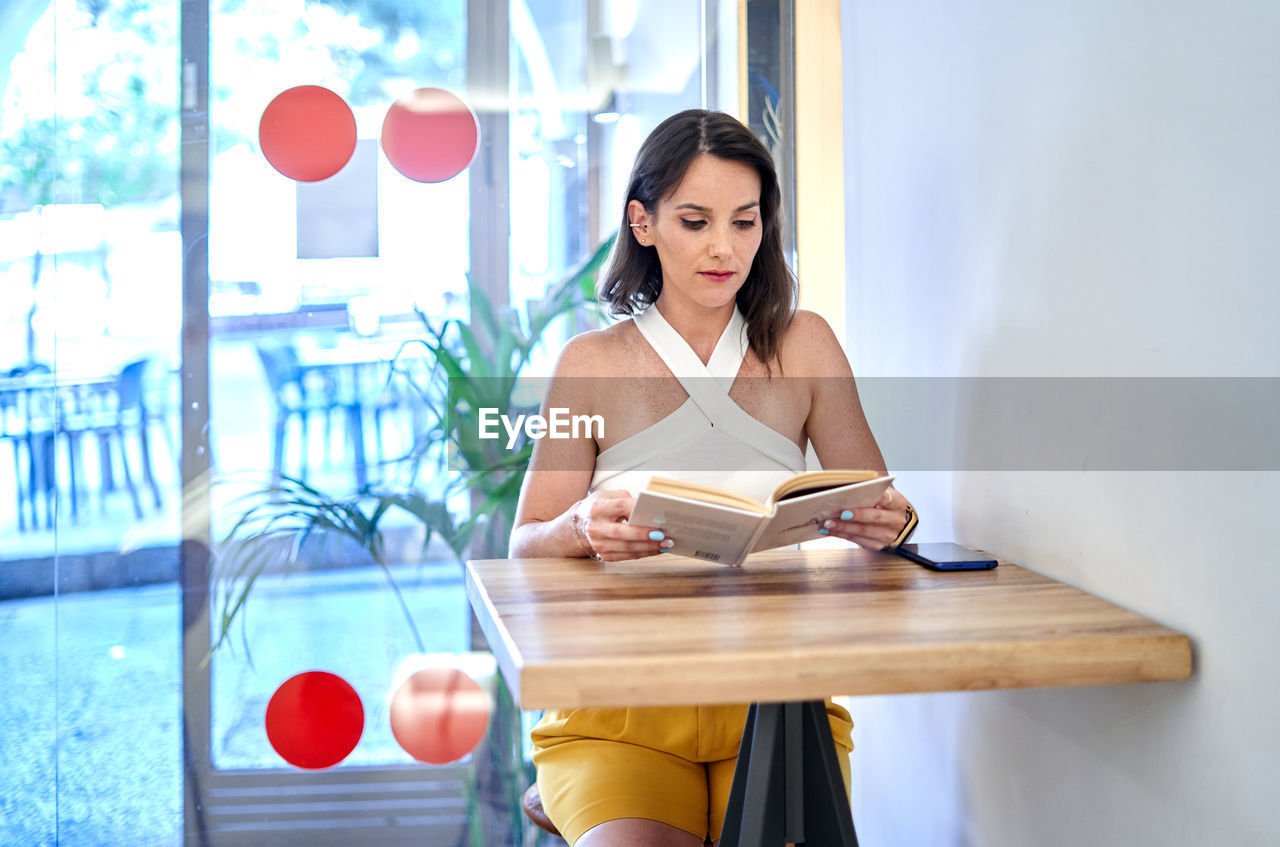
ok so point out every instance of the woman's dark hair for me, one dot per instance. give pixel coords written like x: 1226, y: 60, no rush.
x: 633, y: 279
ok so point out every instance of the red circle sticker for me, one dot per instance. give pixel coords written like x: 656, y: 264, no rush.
x: 314, y: 720
x: 439, y: 715
x: 307, y: 133
x: 430, y: 135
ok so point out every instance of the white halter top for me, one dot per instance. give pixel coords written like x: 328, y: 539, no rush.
x: 710, y: 439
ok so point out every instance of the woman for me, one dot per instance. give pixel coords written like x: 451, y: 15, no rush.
x: 699, y: 265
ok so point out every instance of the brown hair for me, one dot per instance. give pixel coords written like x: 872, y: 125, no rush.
x: 633, y: 279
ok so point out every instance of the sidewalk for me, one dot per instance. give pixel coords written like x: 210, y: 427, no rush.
x: 91, y: 721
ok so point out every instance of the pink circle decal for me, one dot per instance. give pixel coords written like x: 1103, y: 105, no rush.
x: 439, y: 715
x: 307, y: 133
x: 314, y: 720
x: 430, y: 135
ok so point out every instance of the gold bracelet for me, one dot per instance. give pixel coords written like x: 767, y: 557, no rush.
x: 908, y: 528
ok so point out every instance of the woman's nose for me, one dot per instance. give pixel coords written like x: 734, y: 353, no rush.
x: 721, y: 243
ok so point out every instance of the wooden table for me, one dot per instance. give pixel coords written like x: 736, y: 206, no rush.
x: 794, y: 626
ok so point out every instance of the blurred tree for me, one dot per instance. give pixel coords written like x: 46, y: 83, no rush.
x: 111, y: 134
x: 18, y: 17
x: 94, y: 121
x: 419, y: 42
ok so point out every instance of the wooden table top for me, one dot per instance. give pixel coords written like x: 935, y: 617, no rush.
x: 797, y: 625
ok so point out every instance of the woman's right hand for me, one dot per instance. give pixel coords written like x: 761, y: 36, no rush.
x: 600, y: 525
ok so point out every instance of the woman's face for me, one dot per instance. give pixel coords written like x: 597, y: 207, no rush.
x: 706, y: 231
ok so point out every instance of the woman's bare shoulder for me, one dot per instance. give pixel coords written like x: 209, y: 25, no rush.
x: 810, y: 347
x: 600, y: 352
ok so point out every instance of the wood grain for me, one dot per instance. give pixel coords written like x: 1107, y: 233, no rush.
x: 794, y: 625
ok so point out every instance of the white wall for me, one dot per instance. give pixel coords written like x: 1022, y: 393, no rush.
x: 1067, y: 188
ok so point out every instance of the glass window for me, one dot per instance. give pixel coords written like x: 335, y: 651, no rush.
x: 122, y: 472
x: 90, y: 315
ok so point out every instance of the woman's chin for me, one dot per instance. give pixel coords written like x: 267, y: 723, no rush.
x: 709, y: 298
x: 716, y: 298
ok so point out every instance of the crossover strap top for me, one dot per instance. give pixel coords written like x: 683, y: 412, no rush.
x: 709, y: 438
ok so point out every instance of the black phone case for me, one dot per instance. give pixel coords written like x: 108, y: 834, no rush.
x: 976, y: 565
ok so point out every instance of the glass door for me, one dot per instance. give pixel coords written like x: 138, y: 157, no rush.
x: 341, y: 249
x: 217, y: 366
x: 325, y: 253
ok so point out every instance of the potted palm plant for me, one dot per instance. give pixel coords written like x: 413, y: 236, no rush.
x: 472, y: 366
x: 475, y: 366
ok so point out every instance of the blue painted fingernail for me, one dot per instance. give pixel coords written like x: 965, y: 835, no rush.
x: 846, y: 515
x: 829, y: 524
x: 824, y: 531
x: 657, y: 535
x: 667, y: 545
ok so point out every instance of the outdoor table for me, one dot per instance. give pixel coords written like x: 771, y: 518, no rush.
x: 40, y: 410
x: 352, y: 379
x: 786, y: 630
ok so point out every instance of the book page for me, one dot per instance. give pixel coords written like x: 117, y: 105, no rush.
x: 819, y: 480
x: 705, y: 494
x: 798, y: 519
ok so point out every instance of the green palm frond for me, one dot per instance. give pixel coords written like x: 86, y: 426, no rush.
x: 471, y: 367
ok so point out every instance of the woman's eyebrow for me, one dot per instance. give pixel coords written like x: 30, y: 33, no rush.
x: 696, y: 208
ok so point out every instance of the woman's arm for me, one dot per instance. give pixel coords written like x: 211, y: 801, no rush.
x: 837, y: 428
x: 556, y: 515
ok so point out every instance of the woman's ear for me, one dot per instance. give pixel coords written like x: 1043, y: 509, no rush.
x: 639, y: 221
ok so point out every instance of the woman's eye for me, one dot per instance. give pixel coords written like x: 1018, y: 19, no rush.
x: 688, y: 224
x: 745, y: 224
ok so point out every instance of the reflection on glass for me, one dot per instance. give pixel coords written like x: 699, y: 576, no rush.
x: 89, y: 261
x: 583, y: 99
x: 89, y: 320
x: 314, y: 289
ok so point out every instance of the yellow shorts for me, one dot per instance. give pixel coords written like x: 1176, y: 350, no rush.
x: 672, y: 764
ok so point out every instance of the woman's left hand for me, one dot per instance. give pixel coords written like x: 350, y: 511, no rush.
x: 873, y: 528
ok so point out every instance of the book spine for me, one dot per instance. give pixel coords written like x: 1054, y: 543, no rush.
x: 755, y: 536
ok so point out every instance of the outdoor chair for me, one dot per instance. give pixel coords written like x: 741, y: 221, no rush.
x: 59, y: 426
x: 113, y: 415
x: 289, y: 400
x: 133, y: 416
x: 27, y: 422
x: 299, y: 392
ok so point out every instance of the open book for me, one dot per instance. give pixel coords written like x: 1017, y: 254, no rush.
x: 719, y: 525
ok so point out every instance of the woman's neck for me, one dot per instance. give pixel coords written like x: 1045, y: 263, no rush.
x: 699, y: 326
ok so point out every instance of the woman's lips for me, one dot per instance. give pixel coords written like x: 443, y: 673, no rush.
x: 717, y: 276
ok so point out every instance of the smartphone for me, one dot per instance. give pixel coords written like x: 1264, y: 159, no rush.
x: 945, y: 556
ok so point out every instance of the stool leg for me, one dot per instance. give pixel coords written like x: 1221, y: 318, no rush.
x: 827, y: 816
x: 306, y: 444
x: 277, y: 451
x: 378, y: 453
x: 355, y: 429
x: 755, y: 815
x: 128, y: 476
x: 73, y: 462
x: 106, y: 478
x: 33, y: 478
x: 787, y: 784
x: 47, y: 473
x: 21, y: 489
x: 144, y: 449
